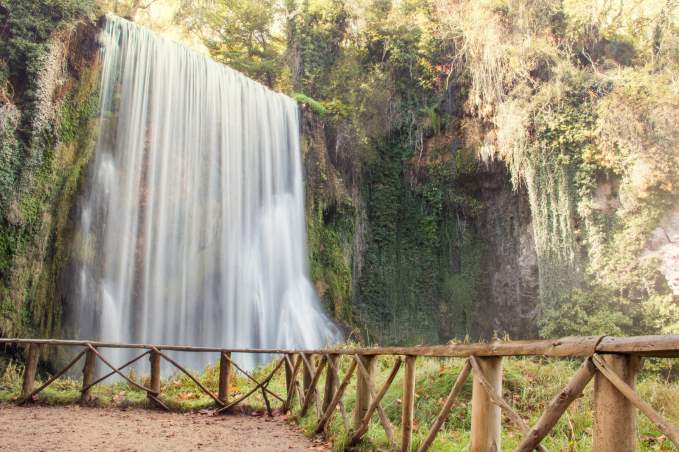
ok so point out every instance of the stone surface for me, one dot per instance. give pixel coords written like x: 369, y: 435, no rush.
x: 510, y: 263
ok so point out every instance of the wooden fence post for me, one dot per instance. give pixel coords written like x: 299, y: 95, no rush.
x: 330, y: 381
x: 154, y: 384
x: 30, y: 370
x: 614, y: 415
x: 486, y: 416
x: 224, y: 376
x: 408, y: 404
x: 88, y: 376
x: 363, y: 396
x: 306, y: 379
x: 288, y: 372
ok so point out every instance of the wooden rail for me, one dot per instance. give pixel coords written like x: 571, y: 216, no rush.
x: 613, y: 362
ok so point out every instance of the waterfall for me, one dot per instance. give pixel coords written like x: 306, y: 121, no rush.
x: 192, y: 228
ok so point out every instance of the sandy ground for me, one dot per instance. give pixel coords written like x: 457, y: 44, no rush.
x: 71, y: 428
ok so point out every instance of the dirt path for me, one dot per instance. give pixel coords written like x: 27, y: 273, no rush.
x: 42, y: 428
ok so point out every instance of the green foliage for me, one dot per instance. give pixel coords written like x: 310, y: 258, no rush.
x: 316, y: 106
x: 562, y: 135
x: 555, y: 111
x: 328, y: 233
x: 9, y: 151
x: 41, y: 170
x: 24, y: 51
x: 30, y: 270
x: 405, y: 99
x: 316, y: 31
x: 27, y: 26
x: 570, y: 135
x: 600, y: 311
x: 421, y: 275
x: 594, y: 312
x: 240, y: 34
x: 414, y: 216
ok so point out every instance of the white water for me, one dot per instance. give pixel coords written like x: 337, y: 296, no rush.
x: 192, y: 230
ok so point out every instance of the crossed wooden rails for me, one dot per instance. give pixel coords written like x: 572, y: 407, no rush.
x: 613, y: 363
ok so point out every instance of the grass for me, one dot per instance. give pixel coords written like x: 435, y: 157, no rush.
x: 529, y: 383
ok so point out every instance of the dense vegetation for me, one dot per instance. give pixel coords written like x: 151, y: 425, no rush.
x: 445, y: 142
x: 48, y: 84
x: 412, y: 110
x: 387, y: 217
x: 416, y: 99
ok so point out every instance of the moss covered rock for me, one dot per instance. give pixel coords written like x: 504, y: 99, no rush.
x: 46, y: 146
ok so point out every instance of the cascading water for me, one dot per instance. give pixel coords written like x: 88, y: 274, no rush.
x: 192, y: 230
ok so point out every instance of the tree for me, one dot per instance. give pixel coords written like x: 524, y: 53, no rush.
x: 246, y: 35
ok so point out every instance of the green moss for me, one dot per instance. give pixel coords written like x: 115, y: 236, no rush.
x: 33, y: 240
x: 316, y: 106
x: 422, y: 263
x: 330, y: 233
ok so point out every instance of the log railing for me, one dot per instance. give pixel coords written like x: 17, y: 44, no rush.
x: 612, y: 363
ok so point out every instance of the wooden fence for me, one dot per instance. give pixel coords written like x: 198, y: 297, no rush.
x: 613, y: 363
